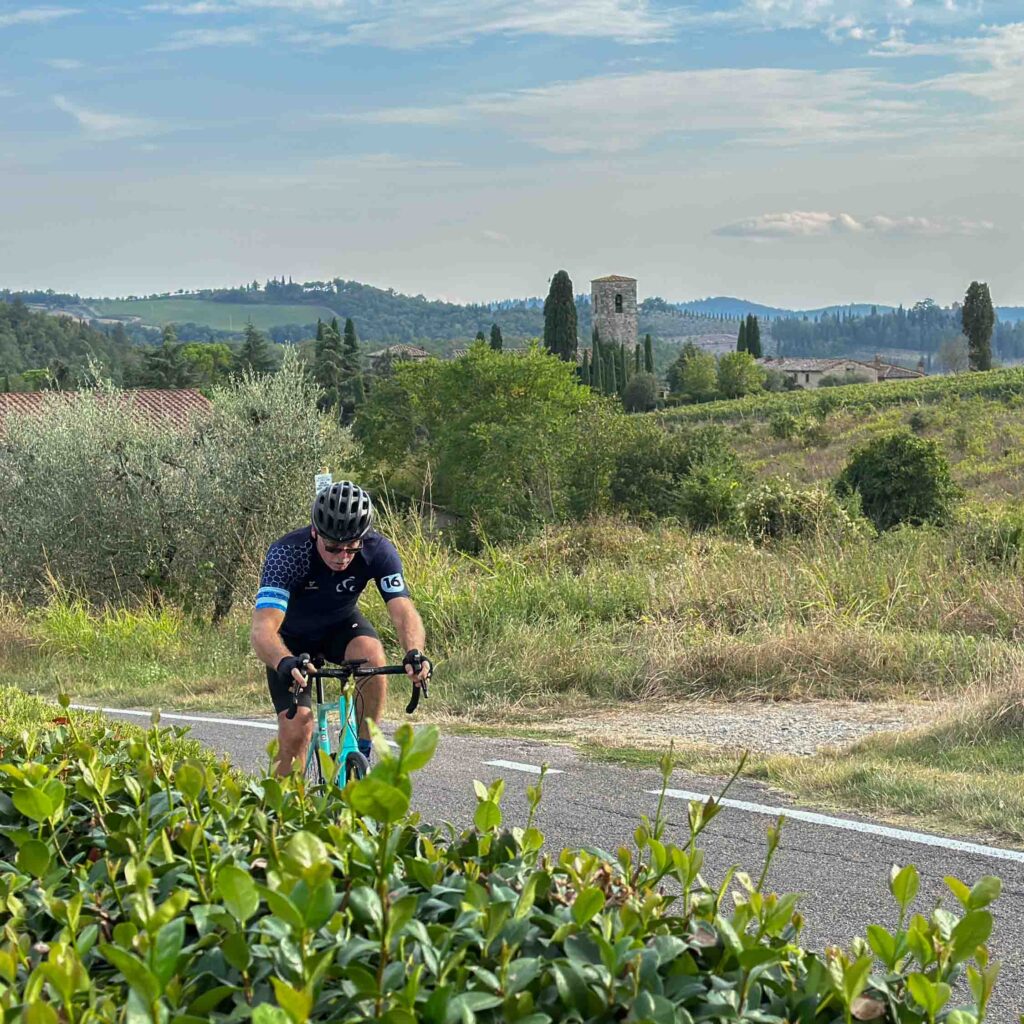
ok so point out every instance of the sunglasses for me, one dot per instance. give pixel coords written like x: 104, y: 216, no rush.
x: 342, y: 549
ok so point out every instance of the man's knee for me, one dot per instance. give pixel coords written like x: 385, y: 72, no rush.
x: 293, y: 733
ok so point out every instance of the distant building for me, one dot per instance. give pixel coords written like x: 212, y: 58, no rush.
x: 807, y: 373
x: 176, y: 406
x: 613, y: 309
x: 396, y: 353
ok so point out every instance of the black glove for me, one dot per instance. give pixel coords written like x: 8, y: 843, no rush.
x: 285, y: 666
x: 415, y: 659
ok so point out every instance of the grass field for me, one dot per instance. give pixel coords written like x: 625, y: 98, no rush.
x: 603, y: 615
x: 222, y: 316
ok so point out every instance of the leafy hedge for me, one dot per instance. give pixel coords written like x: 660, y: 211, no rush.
x: 1005, y: 385
x: 136, y: 885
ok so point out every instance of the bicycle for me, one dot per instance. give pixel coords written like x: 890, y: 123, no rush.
x: 341, y: 745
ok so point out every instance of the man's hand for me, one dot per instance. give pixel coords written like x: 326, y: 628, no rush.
x: 296, y: 668
x: 417, y: 666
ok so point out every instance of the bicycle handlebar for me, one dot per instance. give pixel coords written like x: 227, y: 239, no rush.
x: 355, y: 667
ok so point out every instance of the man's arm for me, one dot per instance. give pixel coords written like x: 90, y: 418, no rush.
x: 409, y: 627
x: 266, y: 640
x: 408, y: 624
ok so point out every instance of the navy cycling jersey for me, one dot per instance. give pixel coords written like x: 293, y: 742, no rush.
x: 313, y: 597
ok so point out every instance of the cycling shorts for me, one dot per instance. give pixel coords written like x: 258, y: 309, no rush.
x: 331, y: 647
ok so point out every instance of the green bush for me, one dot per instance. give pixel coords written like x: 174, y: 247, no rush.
x: 783, y: 425
x: 900, y: 479
x: 987, y: 535
x: 688, y: 475
x: 175, y: 892
x: 776, y: 509
x: 116, y: 508
x: 494, y: 435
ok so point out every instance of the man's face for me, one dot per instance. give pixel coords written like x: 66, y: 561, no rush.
x: 337, y: 554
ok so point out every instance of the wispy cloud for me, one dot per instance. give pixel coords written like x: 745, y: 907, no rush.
x: 414, y: 24
x: 816, y: 224
x: 35, y: 15
x: 772, y: 105
x: 64, y: 63
x: 104, y: 125
x: 190, y: 39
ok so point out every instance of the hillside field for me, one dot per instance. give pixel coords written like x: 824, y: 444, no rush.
x: 222, y: 316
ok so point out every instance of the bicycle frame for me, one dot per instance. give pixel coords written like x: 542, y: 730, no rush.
x: 348, y: 727
x: 351, y: 760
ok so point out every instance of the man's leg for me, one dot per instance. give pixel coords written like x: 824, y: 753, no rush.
x: 373, y: 690
x: 293, y: 737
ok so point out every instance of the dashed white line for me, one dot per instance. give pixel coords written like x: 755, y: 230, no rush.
x: 855, y: 826
x: 518, y: 766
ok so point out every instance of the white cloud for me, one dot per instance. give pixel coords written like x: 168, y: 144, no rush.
x: 815, y: 224
x: 769, y: 105
x: 36, y: 15
x: 64, y: 63
x: 488, y: 235
x: 102, y: 125
x: 242, y: 35
x: 412, y: 24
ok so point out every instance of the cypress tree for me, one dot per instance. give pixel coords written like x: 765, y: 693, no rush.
x: 560, y: 318
x: 648, y: 355
x: 480, y: 336
x: 611, y: 385
x: 754, y: 338
x: 496, y: 340
x: 741, y: 340
x: 636, y: 358
x: 620, y: 369
x: 585, y: 368
x: 978, y: 318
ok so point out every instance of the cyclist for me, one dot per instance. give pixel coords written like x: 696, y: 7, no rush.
x: 306, y: 603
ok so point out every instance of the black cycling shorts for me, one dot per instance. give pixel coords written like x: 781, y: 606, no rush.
x: 331, y: 647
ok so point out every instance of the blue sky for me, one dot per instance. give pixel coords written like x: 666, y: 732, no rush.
x: 795, y: 152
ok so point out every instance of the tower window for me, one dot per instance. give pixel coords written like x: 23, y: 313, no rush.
x: 618, y: 303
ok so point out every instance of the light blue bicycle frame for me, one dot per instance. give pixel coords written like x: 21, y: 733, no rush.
x: 348, y: 736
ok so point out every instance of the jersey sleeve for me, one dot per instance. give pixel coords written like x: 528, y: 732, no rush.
x: 284, y: 567
x: 387, y: 572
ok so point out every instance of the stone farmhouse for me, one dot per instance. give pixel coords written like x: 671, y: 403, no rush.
x: 807, y: 373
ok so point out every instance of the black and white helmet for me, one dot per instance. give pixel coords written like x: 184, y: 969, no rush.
x: 342, y: 511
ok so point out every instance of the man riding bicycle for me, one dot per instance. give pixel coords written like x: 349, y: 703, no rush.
x: 306, y: 603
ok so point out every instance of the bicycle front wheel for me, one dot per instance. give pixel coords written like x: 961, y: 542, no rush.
x: 314, y: 773
x: 356, y: 766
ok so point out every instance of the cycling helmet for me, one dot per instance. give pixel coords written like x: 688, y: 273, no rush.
x: 342, y: 511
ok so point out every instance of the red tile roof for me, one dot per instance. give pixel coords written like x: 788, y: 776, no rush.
x: 150, y: 403
x: 613, y: 277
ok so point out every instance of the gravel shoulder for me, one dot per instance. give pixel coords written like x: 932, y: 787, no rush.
x: 801, y: 728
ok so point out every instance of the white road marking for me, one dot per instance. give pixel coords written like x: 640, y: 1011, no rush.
x: 246, y: 722
x: 272, y: 726
x: 854, y: 826
x: 518, y: 766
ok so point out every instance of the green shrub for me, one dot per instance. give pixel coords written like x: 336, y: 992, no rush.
x: 986, y: 535
x: 116, y: 508
x: 900, y: 479
x: 918, y: 421
x: 176, y: 892
x: 688, y: 475
x: 783, y: 425
x: 776, y: 509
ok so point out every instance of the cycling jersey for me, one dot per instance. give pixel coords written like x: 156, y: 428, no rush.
x: 313, y: 597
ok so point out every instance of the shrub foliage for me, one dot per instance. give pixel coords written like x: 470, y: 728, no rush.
x: 119, y: 508
x: 900, y: 479
x: 176, y: 893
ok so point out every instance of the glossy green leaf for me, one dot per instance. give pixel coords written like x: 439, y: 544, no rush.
x: 34, y: 858
x: 378, y: 800
x: 238, y: 892
x: 588, y: 903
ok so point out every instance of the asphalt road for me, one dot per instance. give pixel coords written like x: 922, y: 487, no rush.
x: 842, y: 873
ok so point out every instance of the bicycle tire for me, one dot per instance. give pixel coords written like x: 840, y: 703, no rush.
x: 314, y: 773
x: 356, y: 766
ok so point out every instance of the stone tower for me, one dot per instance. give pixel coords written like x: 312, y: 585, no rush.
x: 613, y: 309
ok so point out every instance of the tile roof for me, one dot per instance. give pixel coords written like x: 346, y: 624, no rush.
x: 176, y: 405
x: 612, y: 277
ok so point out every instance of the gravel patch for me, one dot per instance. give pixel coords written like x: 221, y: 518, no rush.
x: 802, y: 728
